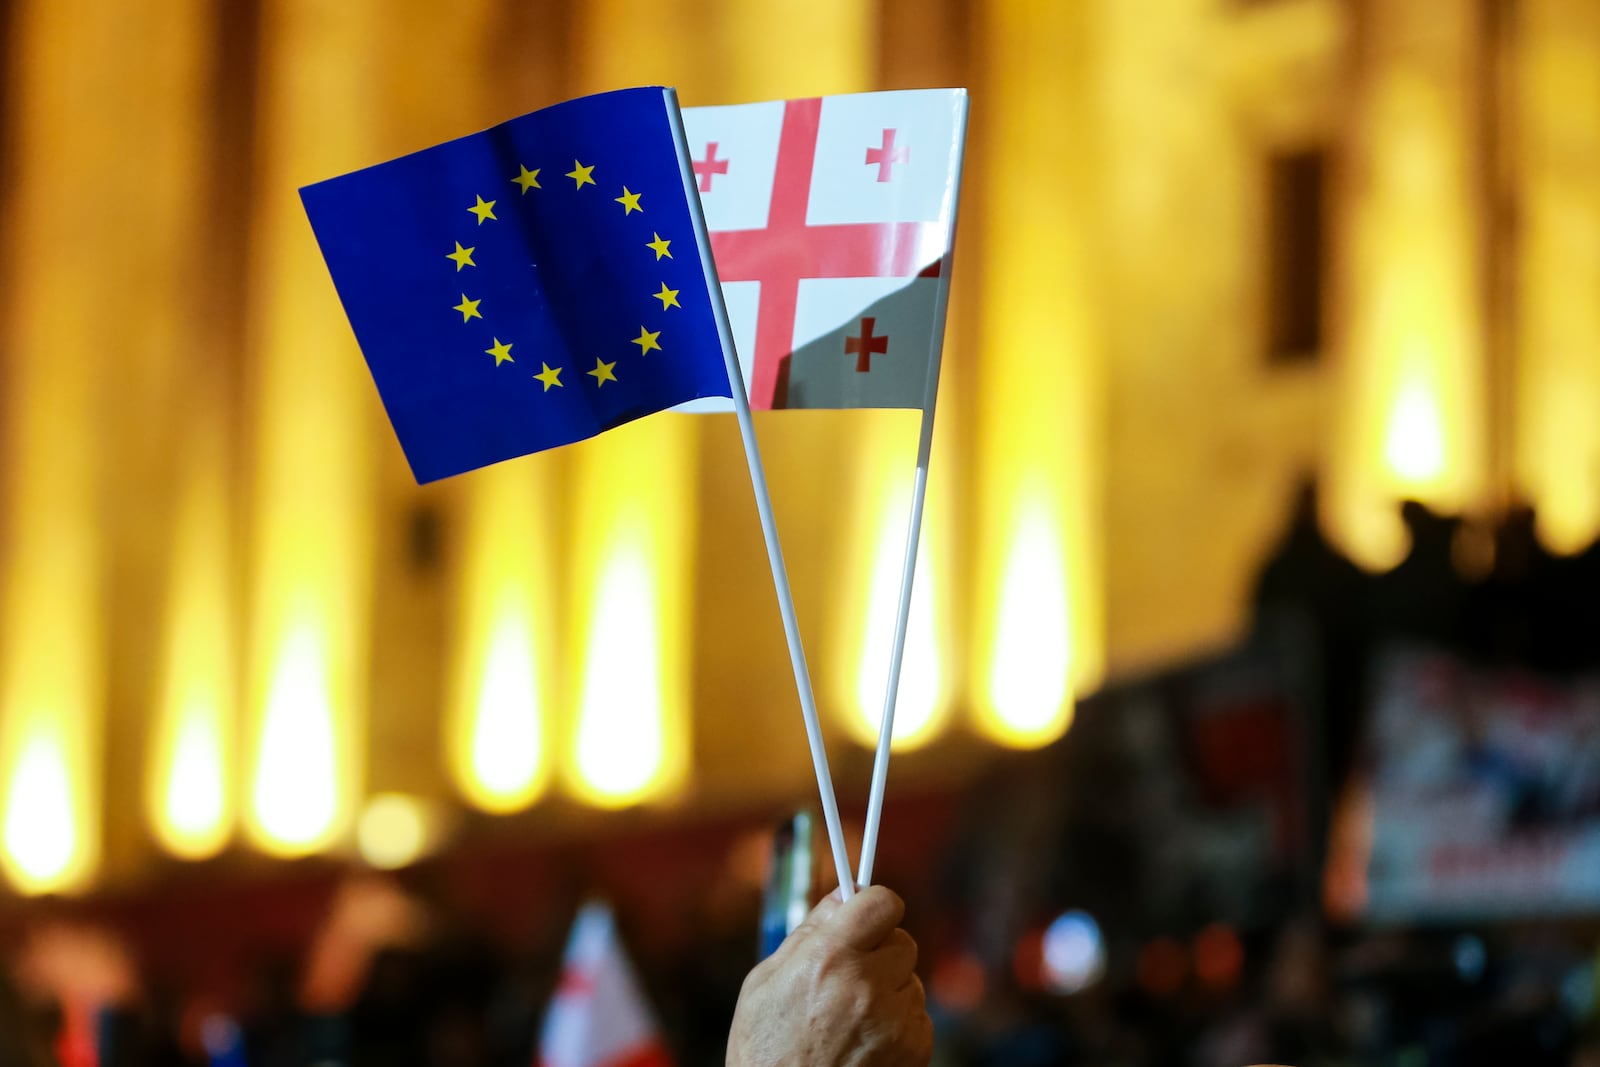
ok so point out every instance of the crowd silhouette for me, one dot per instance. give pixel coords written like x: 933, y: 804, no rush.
x: 1516, y: 606
x: 380, y: 986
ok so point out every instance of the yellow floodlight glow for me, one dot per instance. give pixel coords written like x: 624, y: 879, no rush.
x: 316, y: 478
x: 394, y: 831
x: 504, y: 742
x: 620, y: 745
x: 920, y: 709
x: 54, y: 430
x: 1413, y: 446
x: 187, y: 797
x: 1412, y: 407
x: 192, y: 809
x: 1039, y: 478
x: 495, y: 735
x: 1555, y: 83
x: 294, y: 804
x: 631, y: 551
x: 1029, y: 684
x: 43, y: 849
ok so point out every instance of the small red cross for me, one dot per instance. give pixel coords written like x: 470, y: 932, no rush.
x: 887, y: 156
x: 575, y: 983
x: 709, y: 167
x: 865, y: 346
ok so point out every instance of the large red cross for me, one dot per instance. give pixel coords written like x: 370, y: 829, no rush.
x: 887, y: 155
x: 866, y: 346
x: 788, y: 250
x: 709, y: 167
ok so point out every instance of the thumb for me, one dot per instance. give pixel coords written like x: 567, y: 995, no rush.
x: 867, y: 918
x: 819, y: 915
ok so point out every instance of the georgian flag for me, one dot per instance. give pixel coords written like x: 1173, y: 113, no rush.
x: 831, y: 221
x: 599, y: 1017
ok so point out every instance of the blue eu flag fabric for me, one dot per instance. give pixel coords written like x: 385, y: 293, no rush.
x: 528, y: 286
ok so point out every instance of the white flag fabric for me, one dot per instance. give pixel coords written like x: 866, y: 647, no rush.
x: 599, y: 1017
x: 831, y: 220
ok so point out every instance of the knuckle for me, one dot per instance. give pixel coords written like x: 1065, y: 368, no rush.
x: 828, y: 957
x: 862, y: 1003
x: 906, y: 943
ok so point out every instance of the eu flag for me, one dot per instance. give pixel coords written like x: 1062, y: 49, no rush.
x: 528, y: 286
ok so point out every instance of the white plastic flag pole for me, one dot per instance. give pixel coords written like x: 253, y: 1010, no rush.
x: 769, y: 525
x: 908, y: 570
x: 902, y: 618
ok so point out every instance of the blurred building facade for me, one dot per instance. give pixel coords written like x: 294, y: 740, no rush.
x: 1206, y: 246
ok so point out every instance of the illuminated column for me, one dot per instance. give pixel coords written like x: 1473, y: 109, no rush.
x: 631, y: 515
x: 788, y: 48
x: 830, y: 48
x: 60, y: 344
x: 190, y: 780
x: 491, y: 608
x: 172, y: 735
x: 1557, y: 408
x: 315, y: 430
x: 751, y: 52
x: 497, y: 739
x: 1039, y: 380
x: 863, y: 459
x: 868, y: 589
x: 917, y: 44
x: 1411, y: 392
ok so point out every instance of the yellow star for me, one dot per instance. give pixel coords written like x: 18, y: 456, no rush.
x: 484, y: 209
x: 658, y: 245
x: 602, y: 372
x: 647, y: 340
x: 462, y: 256
x: 668, y: 297
x: 629, y: 202
x: 528, y: 179
x: 549, y: 376
x: 501, y: 352
x: 468, y: 308
x: 580, y: 174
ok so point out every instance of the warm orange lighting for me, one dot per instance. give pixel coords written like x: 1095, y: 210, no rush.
x: 187, y: 798
x: 496, y: 729
x: 503, y: 743
x: 1039, y: 633
x: 871, y: 597
x: 919, y: 709
x: 395, y: 830
x: 829, y: 46
x: 50, y: 687
x: 44, y: 851
x: 1413, y: 446
x: 317, y: 429
x: 1411, y: 400
x: 957, y: 983
x: 633, y: 523
x: 59, y: 468
x: 1218, y: 956
x: 1556, y: 160
x: 294, y: 803
x: 619, y: 750
x: 1029, y: 681
x: 191, y: 819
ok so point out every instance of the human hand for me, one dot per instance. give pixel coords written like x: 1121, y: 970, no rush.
x: 840, y: 992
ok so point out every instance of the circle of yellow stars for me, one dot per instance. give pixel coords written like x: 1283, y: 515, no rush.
x: 550, y: 377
